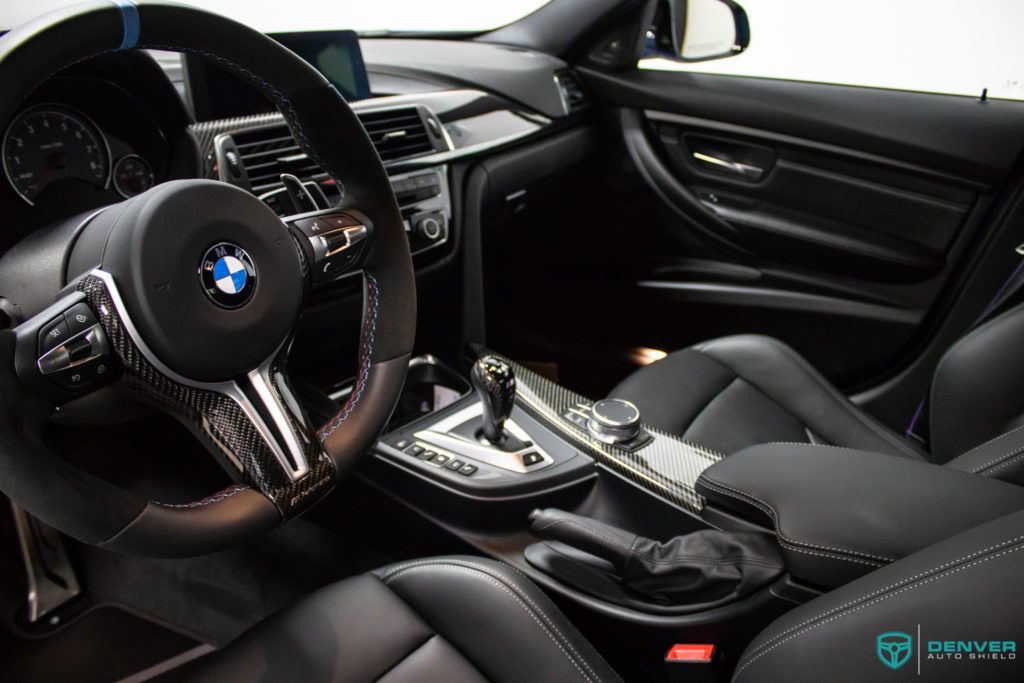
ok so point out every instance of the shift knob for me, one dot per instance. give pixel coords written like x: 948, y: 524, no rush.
x: 495, y: 383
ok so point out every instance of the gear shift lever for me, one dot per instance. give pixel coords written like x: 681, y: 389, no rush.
x: 495, y: 383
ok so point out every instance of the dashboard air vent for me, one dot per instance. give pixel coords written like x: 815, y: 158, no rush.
x: 570, y: 89
x: 397, y: 133
x: 267, y: 152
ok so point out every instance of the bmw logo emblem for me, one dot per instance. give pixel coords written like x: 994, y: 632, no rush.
x: 228, y: 275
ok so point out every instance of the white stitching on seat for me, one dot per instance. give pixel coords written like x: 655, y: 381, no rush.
x: 392, y: 577
x: 982, y: 445
x: 843, y: 401
x: 1007, y: 463
x: 994, y: 461
x: 902, y: 582
x: 771, y: 511
x: 521, y: 593
x: 557, y: 611
x: 906, y: 588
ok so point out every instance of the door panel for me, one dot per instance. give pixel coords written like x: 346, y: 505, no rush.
x: 832, y: 217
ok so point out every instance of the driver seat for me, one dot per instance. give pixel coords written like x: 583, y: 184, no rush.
x: 453, y: 619
x: 457, y: 619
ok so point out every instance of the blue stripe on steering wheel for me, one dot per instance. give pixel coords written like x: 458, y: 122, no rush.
x: 130, y: 16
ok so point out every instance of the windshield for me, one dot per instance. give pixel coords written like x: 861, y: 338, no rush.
x: 365, y: 16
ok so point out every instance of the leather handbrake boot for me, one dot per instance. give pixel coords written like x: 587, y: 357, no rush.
x: 701, y: 567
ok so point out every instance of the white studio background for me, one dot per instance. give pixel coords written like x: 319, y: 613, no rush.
x: 943, y: 46
x: 311, y: 15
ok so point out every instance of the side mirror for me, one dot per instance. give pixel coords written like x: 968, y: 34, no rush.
x: 700, y: 30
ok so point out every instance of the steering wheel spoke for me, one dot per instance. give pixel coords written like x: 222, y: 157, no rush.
x: 253, y: 424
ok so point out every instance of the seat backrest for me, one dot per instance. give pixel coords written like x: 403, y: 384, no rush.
x: 978, y: 388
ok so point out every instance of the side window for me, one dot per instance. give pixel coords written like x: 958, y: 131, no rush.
x: 940, y: 46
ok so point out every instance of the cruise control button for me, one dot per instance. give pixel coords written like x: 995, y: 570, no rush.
x: 56, y: 359
x: 467, y: 470
x: 79, y: 349
x: 53, y: 335
x: 454, y: 464
x: 79, y: 318
x: 84, y: 375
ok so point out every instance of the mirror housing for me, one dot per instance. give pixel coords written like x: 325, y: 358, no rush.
x: 701, y: 30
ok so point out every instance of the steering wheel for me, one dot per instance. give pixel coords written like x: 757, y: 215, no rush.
x: 188, y: 296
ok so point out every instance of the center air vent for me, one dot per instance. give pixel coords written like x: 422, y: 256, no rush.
x: 397, y: 133
x: 570, y: 89
x: 267, y: 152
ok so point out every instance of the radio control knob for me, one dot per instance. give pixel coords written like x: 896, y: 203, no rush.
x: 429, y: 227
x: 614, y: 420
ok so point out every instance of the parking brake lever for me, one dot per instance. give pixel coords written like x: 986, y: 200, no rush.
x: 702, y: 566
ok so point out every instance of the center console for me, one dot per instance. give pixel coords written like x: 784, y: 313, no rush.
x: 550, y: 437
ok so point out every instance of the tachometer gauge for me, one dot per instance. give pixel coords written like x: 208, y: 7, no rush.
x: 49, y: 143
x: 132, y: 175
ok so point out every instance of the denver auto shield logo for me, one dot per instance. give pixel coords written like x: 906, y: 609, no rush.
x: 894, y: 648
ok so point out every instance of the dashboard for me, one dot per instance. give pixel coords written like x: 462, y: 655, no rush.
x: 115, y: 125
x: 98, y: 133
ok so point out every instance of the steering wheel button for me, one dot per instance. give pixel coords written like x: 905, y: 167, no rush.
x: 55, y: 360
x: 53, y: 335
x: 79, y: 317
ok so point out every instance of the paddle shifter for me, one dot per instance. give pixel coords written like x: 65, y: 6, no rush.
x: 495, y: 383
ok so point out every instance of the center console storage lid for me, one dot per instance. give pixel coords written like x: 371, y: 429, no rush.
x: 839, y: 513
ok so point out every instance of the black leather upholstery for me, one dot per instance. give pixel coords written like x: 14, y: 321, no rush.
x: 447, y: 619
x: 976, y: 392
x: 735, y: 392
x: 839, y: 514
x: 963, y: 588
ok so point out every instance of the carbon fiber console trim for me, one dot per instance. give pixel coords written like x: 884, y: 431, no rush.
x: 219, y: 417
x: 667, y: 466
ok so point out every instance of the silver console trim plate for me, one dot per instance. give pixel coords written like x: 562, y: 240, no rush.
x: 438, y: 434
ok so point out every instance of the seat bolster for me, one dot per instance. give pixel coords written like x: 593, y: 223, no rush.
x: 960, y: 589
x: 976, y: 392
x: 790, y: 381
x: 999, y: 458
x: 457, y: 619
x: 499, y: 621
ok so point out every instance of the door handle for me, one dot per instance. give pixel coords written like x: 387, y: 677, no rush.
x: 739, y: 168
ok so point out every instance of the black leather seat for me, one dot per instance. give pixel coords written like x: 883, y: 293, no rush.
x: 466, y: 619
x: 449, y: 619
x: 735, y: 392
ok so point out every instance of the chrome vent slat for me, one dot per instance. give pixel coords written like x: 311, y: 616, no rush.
x: 267, y: 153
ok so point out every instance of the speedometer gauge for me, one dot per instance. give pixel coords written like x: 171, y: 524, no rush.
x: 50, y: 143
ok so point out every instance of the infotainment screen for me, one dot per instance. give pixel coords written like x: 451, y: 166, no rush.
x: 216, y: 93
